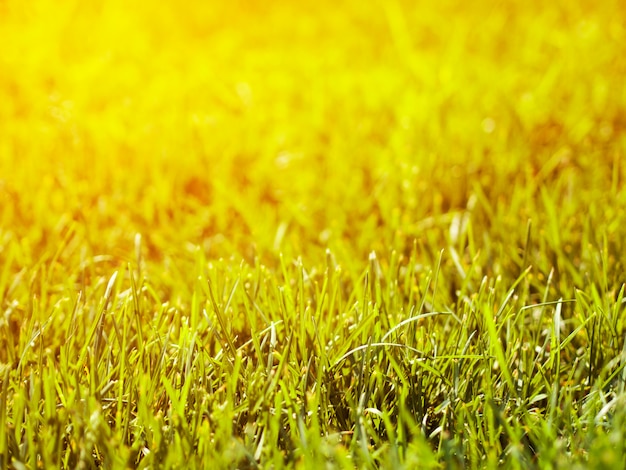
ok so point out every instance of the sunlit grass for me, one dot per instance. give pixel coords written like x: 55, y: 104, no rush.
x: 374, y: 235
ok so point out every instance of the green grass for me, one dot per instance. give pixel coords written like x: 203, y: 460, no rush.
x: 348, y: 235
x: 389, y: 363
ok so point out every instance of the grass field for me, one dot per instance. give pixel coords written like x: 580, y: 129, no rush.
x: 312, y: 234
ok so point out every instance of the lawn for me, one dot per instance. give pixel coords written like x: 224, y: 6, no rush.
x: 312, y: 234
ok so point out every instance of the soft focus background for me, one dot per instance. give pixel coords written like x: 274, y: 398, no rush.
x: 256, y: 127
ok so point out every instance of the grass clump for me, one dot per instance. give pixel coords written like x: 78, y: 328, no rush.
x: 250, y: 235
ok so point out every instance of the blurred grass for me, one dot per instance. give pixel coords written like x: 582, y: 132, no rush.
x: 262, y: 115
x: 241, y: 141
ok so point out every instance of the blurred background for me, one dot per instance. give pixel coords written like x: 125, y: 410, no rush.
x: 251, y: 128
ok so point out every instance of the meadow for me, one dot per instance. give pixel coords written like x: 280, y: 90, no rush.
x: 312, y: 234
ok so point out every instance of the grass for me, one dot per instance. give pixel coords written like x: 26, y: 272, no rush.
x: 267, y: 235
